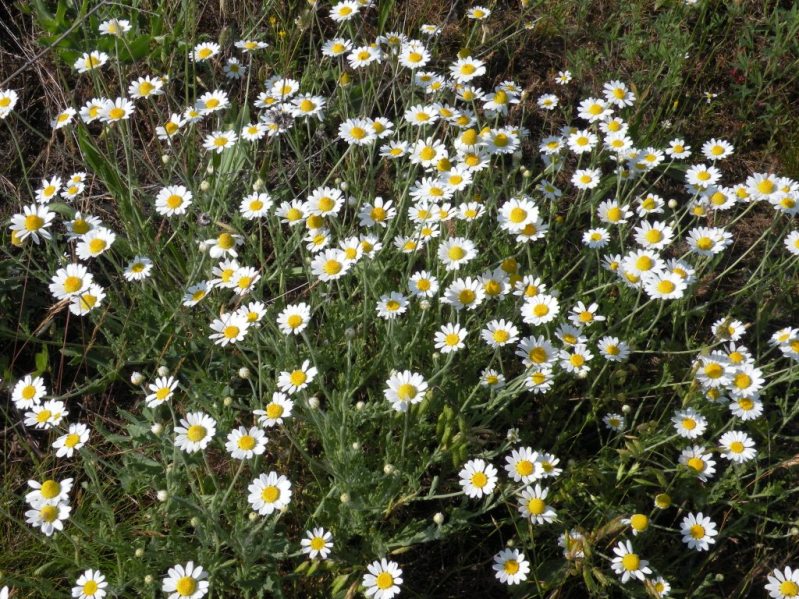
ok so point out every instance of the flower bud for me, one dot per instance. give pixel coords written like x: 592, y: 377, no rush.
x: 438, y: 518
x: 139, y: 552
x: 162, y: 495
x: 165, y: 158
x: 244, y: 372
x: 313, y: 402
x: 205, y: 186
x: 360, y: 406
x: 136, y: 377
x: 157, y: 428
x: 163, y: 371
x: 345, y: 498
x: 388, y: 469
x: 148, y: 579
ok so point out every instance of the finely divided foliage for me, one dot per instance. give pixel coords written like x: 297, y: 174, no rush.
x: 347, y: 298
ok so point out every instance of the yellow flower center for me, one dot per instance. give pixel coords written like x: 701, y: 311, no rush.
x: 586, y: 316
x: 456, y: 253
x: 72, y: 440
x: 653, y: 236
x: 270, y: 494
x: 384, y: 581
x: 116, y: 113
x: 524, y: 467
x: 406, y: 392
x: 49, y: 513
x: 536, y: 506
x: 162, y: 393
x: 639, y: 522
x: 631, y: 562
x: 50, y: 489
x: 697, y: 464
x: 766, y: 186
x: 298, y: 377
x: 689, y: 424
x: 737, y: 447
x: 294, y: 321
x: 452, y: 339
x: 577, y: 360
x: 392, y: 305
x: 697, y: 531
x: 196, y: 433
x: 90, y: 588
x: 742, y: 380
x: 246, y: 442
x: 332, y: 267
x: 511, y: 566
x: 789, y: 588
x: 538, y: 355
x: 317, y: 543
x: 72, y: 284
x: 28, y: 392
x: 97, y: 245
x: 187, y: 586
x: 466, y: 296
x: 274, y: 411
x: 666, y: 286
x: 204, y: 53
x: 479, y: 480
x: 231, y: 332
x: 501, y: 336
x: 713, y: 370
x: 541, y: 310
x: 33, y: 222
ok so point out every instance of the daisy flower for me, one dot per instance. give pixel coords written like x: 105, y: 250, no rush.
x: 613, y: 350
x: 269, y: 493
x: 478, y: 478
x: 783, y: 584
x: 244, y: 444
x: 229, y: 329
x: 47, y: 415
x: 87, y: 301
x: 49, y: 492
x: 182, y: 582
x: 28, y: 392
x: 317, y: 543
x: 698, y: 462
x: 294, y: 319
x: 114, y: 27
x: 737, y: 447
x: 63, y: 118
x: 698, y: 531
x: 173, y: 200
x: 138, y: 269
x: 218, y: 141
x: 628, y: 564
x: 498, y: 333
x: 614, y: 422
x: 298, y: 379
x: 8, y: 99
x: 450, y: 338
x: 278, y: 408
x: 89, y: 61
x: 195, y: 432
x: 48, y: 517
x: 511, y: 567
x: 94, y: 243
x: 161, y: 391
x: 689, y: 423
x: 330, y: 265
x: 76, y: 437
x: 204, y: 51
x: 90, y: 585
x: 33, y: 222
x: 392, y: 305
x: 344, y: 11
x: 532, y: 505
x: 540, y: 309
x: 144, y: 87
x: 522, y: 465
x: 404, y: 389
x: 382, y: 579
